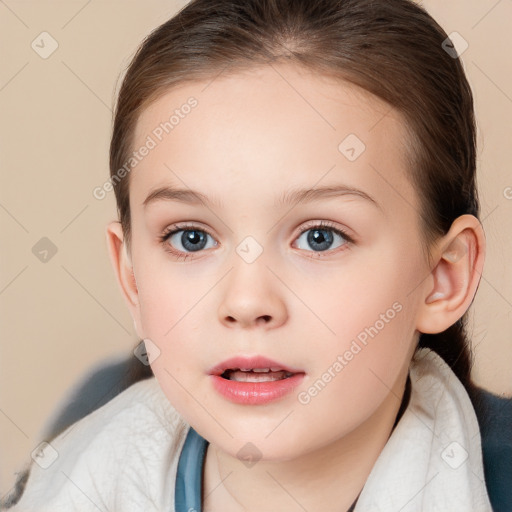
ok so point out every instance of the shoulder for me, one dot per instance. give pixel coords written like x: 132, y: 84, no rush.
x: 124, y: 452
x: 432, y: 459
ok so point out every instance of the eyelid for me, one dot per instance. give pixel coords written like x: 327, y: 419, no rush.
x: 184, y: 227
x: 319, y: 224
x: 326, y: 224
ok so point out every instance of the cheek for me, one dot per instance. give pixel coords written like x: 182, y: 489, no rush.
x: 360, y: 367
x: 370, y: 314
x: 374, y: 290
x: 173, y: 317
x: 169, y: 297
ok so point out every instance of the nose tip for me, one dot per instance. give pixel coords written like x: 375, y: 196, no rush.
x: 252, y: 300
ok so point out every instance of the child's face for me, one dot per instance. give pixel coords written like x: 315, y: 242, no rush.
x: 342, y: 312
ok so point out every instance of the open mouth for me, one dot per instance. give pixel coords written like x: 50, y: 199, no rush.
x: 256, y: 375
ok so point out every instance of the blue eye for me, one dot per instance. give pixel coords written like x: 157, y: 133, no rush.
x: 183, y: 241
x: 322, y: 237
x: 191, y: 239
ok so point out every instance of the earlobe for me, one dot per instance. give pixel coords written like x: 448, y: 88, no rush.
x: 454, y: 279
x: 122, y: 265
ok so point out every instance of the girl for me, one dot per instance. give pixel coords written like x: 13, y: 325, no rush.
x: 298, y: 244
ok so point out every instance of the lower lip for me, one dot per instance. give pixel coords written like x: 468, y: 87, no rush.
x: 255, y: 393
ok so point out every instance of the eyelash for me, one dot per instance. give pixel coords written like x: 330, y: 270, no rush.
x: 176, y: 228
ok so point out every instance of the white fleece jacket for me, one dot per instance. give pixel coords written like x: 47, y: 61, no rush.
x: 123, y: 457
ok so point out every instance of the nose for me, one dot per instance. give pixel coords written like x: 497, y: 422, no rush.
x: 252, y: 297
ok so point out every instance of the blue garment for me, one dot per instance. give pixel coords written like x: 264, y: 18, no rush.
x: 494, y: 415
x: 189, y: 477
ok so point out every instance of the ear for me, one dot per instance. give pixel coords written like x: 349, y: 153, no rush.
x: 123, y: 270
x: 451, y: 286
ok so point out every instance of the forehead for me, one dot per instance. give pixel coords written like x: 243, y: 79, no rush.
x: 270, y: 128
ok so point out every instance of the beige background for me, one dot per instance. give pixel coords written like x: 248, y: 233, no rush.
x: 62, y: 317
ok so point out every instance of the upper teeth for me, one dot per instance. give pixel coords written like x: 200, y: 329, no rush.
x: 260, y: 370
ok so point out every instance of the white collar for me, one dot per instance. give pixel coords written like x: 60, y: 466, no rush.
x: 433, y: 459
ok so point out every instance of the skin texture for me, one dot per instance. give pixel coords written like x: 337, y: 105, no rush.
x: 252, y: 138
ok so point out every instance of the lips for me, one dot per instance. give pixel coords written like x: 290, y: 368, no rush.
x: 255, y: 380
x: 253, y: 367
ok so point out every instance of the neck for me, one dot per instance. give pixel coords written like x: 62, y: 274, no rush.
x: 339, y: 469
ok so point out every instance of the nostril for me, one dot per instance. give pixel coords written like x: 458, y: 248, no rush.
x: 263, y: 318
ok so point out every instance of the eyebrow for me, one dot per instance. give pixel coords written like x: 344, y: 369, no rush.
x: 190, y: 196
x: 314, y: 194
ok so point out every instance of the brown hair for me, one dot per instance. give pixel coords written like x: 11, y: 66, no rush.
x: 390, y: 48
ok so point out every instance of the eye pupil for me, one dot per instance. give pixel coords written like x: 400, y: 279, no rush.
x: 317, y: 237
x: 191, y: 240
